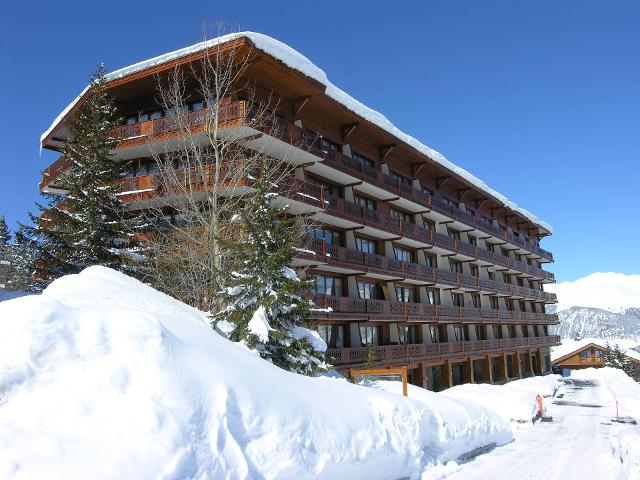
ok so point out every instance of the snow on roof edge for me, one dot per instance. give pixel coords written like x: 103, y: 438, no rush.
x: 294, y: 59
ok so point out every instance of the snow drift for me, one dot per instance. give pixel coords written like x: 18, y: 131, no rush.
x: 104, y: 377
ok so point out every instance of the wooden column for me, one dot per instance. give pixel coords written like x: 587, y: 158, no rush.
x: 447, y: 376
x: 529, y: 362
x: 517, y: 371
x: 505, y: 370
x: 471, y: 372
x: 488, y: 371
x: 540, y: 362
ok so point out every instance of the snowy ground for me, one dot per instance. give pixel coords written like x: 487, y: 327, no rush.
x: 582, y: 442
x: 102, y: 377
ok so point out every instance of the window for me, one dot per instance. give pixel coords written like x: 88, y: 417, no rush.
x: 329, y: 189
x: 365, y: 245
x: 449, y: 203
x: 477, y: 303
x: 474, y: 269
x: 470, y: 212
x: 511, y: 330
x: 503, y: 228
x: 333, y: 335
x: 155, y: 114
x: 131, y: 119
x: 400, y: 178
x: 430, y: 260
x: 143, y: 117
x: 545, y: 330
x: 365, y: 202
x: 497, y: 331
x: 533, y: 307
x: 520, y: 282
x: 368, y: 290
x: 472, y: 240
x: 522, y: 305
x: 197, y: 106
x: 458, y: 299
x: 327, y: 285
x: 506, y: 278
x: 329, y: 146
x: 494, y: 303
x: 363, y: 161
x: 429, y: 224
x: 490, y: 247
x: 408, y: 334
x: 369, y: 336
x: 403, y: 254
x: 505, y: 252
x: 525, y: 331
x: 481, y: 332
x: 433, y: 296
x: 405, y: 294
x: 486, y: 219
x: 455, y: 266
x: 331, y: 237
x: 455, y: 234
x: 491, y: 275
x: 433, y: 332
x: 426, y: 191
x: 509, y: 303
x: 459, y: 332
x: 399, y: 214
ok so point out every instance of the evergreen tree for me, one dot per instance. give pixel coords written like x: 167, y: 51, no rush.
x: 614, y: 357
x: 87, y: 224
x: 24, y: 255
x: 263, y: 298
x: 5, y: 249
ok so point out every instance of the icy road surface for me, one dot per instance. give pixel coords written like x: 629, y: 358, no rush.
x: 576, y: 445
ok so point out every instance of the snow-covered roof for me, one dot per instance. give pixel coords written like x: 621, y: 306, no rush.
x: 295, y: 60
x: 570, y: 346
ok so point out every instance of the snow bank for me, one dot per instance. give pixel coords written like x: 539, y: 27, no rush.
x: 625, y: 438
x: 614, y: 292
x: 514, y: 401
x: 104, y: 377
x: 295, y: 60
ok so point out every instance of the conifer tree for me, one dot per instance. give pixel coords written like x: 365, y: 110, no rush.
x: 263, y: 298
x: 5, y: 249
x: 24, y: 255
x: 83, y: 221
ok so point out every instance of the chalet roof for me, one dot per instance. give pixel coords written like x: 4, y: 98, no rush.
x: 571, y: 347
x: 299, y: 62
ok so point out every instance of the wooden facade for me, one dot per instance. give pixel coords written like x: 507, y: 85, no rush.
x: 587, y: 356
x: 417, y: 267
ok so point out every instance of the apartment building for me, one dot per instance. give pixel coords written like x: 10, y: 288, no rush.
x: 418, y: 263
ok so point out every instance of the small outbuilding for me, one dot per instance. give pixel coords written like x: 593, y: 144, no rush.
x: 589, y: 352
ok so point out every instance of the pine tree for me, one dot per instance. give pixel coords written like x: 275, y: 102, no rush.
x: 263, y: 298
x: 87, y: 224
x: 24, y: 255
x: 614, y: 356
x: 5, y: 249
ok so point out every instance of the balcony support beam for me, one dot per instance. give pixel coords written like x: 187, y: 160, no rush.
x: 441, y: 181
x: 347, y: 130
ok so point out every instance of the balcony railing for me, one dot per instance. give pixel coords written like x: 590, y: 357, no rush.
x: 229, y: 114
x: 434, y: 351
x: 350, y: 211
x: 348, y: 165
x: 371, y: 263
x: 334, y: 308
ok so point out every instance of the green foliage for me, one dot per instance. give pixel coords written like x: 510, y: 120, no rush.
x: 615, y: 357
x: 84, y: 222
x: 263, y: 301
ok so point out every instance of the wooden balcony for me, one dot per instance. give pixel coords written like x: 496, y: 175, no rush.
x: 434, y: 352
x: 353, y: 259
x: 229, y: 115
x: 350, y: 211
x: 348, y: 165
x: 337, y: 309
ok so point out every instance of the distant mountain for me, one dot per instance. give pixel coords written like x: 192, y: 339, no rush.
x: 601, y: 305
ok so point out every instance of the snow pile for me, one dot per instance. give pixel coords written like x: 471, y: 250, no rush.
x: 625, y: 438
x: 570, y: 346
x: 104, y: 377
x: 514, y: 401
x: 295, y: 60
x: 608, y: 291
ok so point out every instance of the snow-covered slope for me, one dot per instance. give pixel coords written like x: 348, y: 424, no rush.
x: 601, y: 305
x: 104, y: 377
x: 614, y: 292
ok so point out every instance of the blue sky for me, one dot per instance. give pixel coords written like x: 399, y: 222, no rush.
x: 541, y: 99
